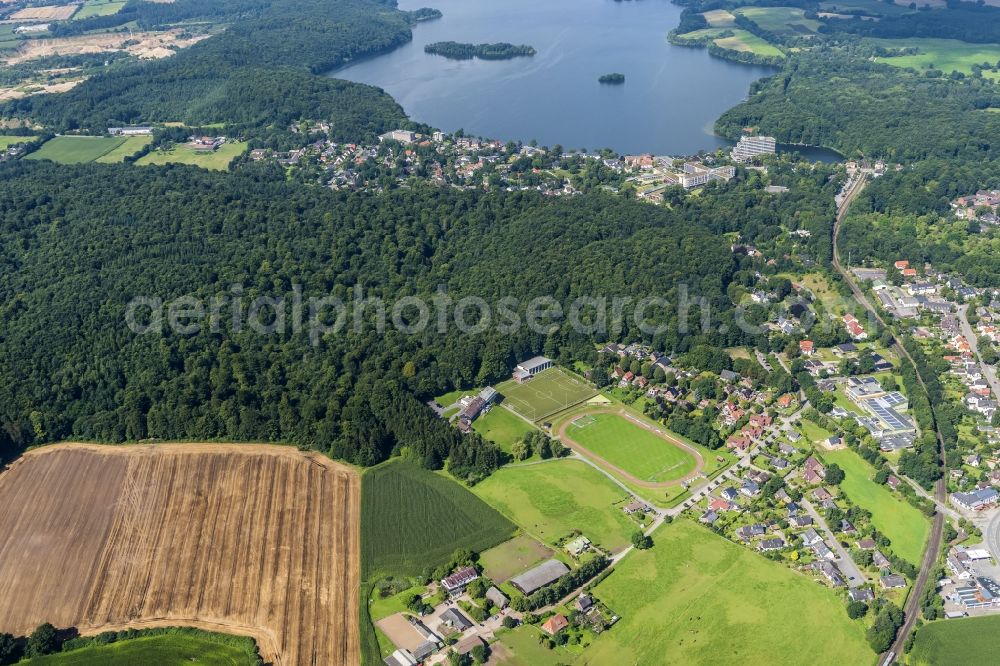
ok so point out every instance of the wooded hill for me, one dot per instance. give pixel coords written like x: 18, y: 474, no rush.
x: 78, y: 243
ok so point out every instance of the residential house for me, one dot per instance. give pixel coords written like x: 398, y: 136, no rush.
x: 555, y: 624
x: 498, y: 598
x: 456, y: 582
x: 892, y: 582
x: 455, y: 619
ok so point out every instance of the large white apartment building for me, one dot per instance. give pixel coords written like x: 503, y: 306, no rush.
x: 751, y: 146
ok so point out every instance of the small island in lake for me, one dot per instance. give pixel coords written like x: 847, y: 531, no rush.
x: 498, y: 51
x: 423, y: 14
x: 614, y: 77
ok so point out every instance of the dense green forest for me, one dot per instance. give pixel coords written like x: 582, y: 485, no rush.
x: 258, y: 75
x: 907, y: 215
x: 969, y: 22
x: 78, y: 243
x: 461, y: 51
x: 830, y: 97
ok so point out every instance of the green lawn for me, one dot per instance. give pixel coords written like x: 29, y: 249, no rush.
x: 696, y: 598
x: 550, y: 500
x: 781, y: 20
x: 412, y: 519
x: 452, y: 397
x: 128, y: 148
x: 547, y: 393
x: 380, y: 608
x: 162, y: 650
x: 76, y: 149
x: 747, y: 41
x: 528, y: 651
x: 217, y: 160
x: 964, y: 641
x: 7, y: 141
x: 948, y: 55
x: 512, y: 557
x: 502, y: 426
x: 812, y: 432
x: 903, y: 524
x: 634, y: 449
x: 719, y: 18
x: 99, y: 8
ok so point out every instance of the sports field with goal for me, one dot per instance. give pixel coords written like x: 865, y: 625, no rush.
x: 545, y: 394
x: 632, y: 446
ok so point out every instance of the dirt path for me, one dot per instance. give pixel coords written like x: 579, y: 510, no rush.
x: 563, y: 434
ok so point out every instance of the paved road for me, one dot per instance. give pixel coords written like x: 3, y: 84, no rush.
x: 844, y: 560
x: 989, y: 372
x: 991, y: 536
x: 912, y: 609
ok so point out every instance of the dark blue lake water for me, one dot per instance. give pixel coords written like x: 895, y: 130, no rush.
x: 667, y: 105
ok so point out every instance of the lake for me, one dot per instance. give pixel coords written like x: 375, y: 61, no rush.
x: 667, y: 105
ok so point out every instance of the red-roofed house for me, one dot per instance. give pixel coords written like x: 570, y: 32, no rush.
x: 555, y: 624
x: 807, y: 347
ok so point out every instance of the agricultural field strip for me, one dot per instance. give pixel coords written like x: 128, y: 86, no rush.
x: 171, y: 535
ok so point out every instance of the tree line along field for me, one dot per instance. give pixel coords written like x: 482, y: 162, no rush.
x: 781, y: 20
x: 250, y: 540
x: 696, y: 598
x: 963, y: 641
x: 84, y: 149
x: 215, y: 160
x: 947, y: 55
x: 98, y: 8
x: 172, y: 648
x: 905, y: 526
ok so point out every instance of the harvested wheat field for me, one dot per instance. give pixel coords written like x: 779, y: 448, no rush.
x: 47, y: 13
x: 245, y: 539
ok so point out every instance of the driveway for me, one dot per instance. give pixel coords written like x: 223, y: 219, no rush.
x: 844, y: 561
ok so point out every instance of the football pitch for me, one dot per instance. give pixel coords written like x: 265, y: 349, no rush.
x: 640, y: 452
x: 545, y: 394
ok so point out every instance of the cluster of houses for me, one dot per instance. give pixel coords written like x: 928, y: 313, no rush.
x: 785, y: 523
x: 981, y: 206
x: 206, y: 144
x: 979, y: 396
x: 444, y: 159
x: 854, y: 327
x: 652, y: 175
x: 917, y: 294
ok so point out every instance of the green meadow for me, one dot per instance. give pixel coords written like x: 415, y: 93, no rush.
x: 76, y: 149
x: 129, y: 147
x: 902, y: 523
x: 549, y: 500
x: 216, y: 160
x: 781, y: 20
x: 947, y: 55
x: 502, y: 426
x: 98, y: 8
x: 168, y: 649
x: 634, y: 449
x: 696, y: 598
x: 964, y: 641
